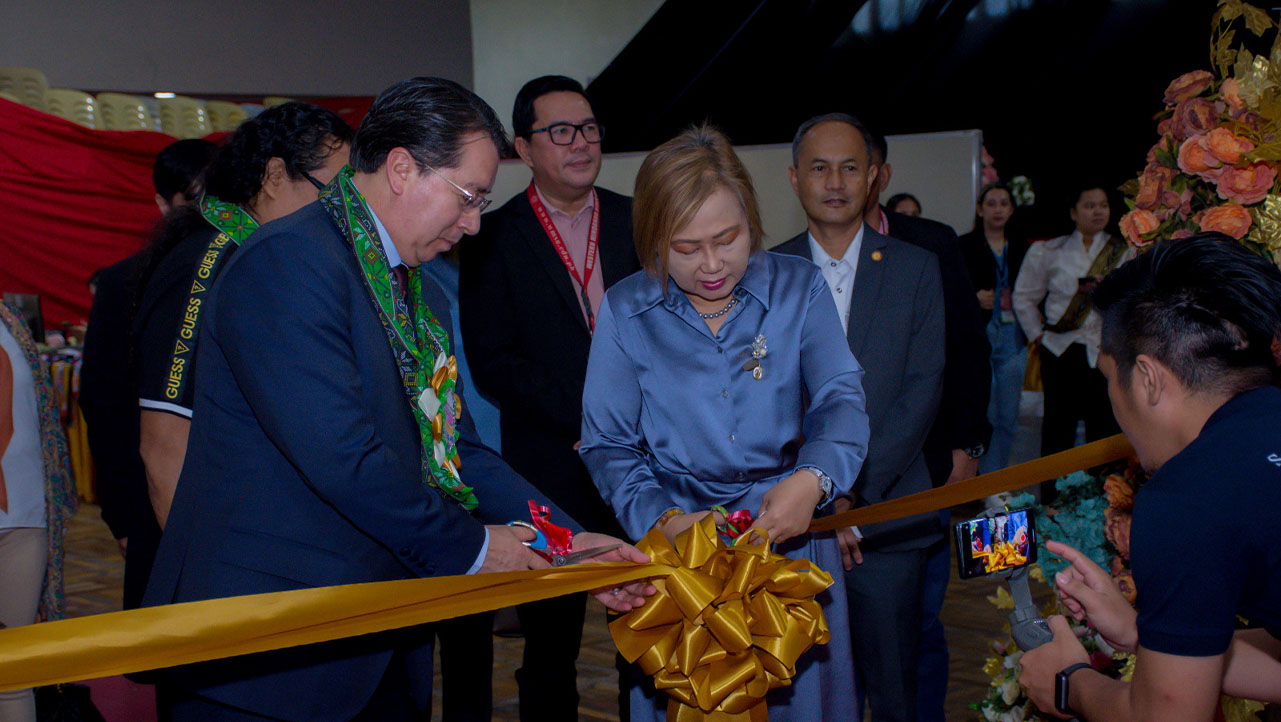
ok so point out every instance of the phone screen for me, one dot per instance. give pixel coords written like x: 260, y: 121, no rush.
x: 992, y: 544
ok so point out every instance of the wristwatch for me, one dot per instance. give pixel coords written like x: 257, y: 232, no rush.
x: 1061, y: 687
x: 975, y: 451
x: 824, y: 484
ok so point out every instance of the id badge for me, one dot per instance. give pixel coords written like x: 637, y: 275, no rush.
x: 1007, y: 316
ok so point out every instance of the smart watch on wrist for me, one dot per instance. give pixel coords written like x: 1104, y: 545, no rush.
x: 1061, y: 699
x: 975, y: 451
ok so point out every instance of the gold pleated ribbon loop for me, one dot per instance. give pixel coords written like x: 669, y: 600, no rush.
x: 727, y: 625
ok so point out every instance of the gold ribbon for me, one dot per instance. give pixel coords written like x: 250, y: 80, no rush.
x: 120, y: 642
x: 141, y: 639
x: 1103, y: 451
x: 726, y: 626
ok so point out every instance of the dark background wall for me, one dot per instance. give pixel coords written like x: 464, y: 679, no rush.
x: 1063, y: 90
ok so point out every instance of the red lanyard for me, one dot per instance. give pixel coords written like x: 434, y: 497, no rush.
x: 882, y: 223
x: 593, y: 240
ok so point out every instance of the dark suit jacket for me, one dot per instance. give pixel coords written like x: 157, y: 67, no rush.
x: 302, y: 468
x: 981, y: 264
x: 896, y: 333
x: 527, y: 342
x: 109, y: 400
x: 967, y: 380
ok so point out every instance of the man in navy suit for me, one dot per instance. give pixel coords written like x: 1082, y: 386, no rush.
x: 889, y: 296
x: 306, y: 466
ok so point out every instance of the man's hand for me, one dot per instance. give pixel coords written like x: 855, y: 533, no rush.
x: 850, y: 553
x: 1040, y: 665
x: 124, y: 545
x: 845, y: 537
x: 788, y: 508
x: 507, y: 551
x: 627, y: 596
x: 963, y: 467
x: 987, y: 298
x: 1088, y: 591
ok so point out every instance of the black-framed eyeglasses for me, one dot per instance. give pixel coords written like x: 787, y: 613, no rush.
x: 564, y: 133
x: 470, y: 200
x: 313, y: 180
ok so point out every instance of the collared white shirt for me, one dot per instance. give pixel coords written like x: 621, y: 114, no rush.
x: 840, y: 281
x: 393, y: 258
x: 1050, y: 272
x: 839, y: 274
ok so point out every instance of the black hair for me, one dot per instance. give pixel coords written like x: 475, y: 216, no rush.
x: 869, y: 137
x: 179, y: 166
x: 429, y: 117
x: 1206, y: 307
x: 523, y: 111
x: 1082, y: 187
x: 899, y: 198
x: 978, y: 220
x: 300, y: 134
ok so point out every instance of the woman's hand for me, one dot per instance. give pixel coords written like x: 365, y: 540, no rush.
x: 787, y: 508
x: 987, y: 298
x: 673, y: 527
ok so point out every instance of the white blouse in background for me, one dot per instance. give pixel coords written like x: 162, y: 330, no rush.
x: 1050, y: 271
x: 22, y: 460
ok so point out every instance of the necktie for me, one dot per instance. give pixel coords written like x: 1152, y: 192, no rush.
x: 402, y: 282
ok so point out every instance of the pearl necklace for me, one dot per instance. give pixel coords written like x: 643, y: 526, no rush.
x: 732, y: 301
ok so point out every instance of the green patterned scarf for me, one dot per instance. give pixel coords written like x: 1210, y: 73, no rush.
x: 229, y: 218
x: 419, y: 343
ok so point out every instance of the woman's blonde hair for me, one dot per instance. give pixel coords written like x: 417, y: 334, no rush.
x: 675, y: 180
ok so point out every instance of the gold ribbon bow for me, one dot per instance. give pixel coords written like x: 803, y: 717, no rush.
x: 726, y: 626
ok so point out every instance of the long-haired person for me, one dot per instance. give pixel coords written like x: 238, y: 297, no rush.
x: 273, y: 164
x: 719, y: 376
x: 993, y: 260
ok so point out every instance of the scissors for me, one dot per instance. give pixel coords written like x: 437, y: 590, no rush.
x: 559, y: 559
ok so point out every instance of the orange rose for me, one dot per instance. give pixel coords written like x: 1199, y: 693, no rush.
x: 1230, y: 92
x: 1180, y: 234
x: 1228, y: 218
x: 1181, y: 202
x: 1119, y: 492
x: 1138, y: 223
x: 1116, y: 527
x: 1188, y: 85
x: 1155, y: 179
x: 1227, y: 146
x: 1246, y: 185
x: 1195, y: 158
x: 1193, y: 116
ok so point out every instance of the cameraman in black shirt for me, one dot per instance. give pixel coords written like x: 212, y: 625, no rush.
x: 1188, y: 334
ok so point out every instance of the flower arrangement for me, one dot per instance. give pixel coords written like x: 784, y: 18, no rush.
x: 1086, y: 498
x: 1215, y: 165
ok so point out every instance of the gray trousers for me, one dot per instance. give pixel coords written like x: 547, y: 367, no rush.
x: 885, y: 630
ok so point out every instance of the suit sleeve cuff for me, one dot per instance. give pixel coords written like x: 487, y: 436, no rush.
x: 480, y: 559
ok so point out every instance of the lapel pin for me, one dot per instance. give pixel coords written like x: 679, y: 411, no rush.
x: 877, y: 255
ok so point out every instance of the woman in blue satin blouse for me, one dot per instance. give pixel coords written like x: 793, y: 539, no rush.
x: 719, y: 375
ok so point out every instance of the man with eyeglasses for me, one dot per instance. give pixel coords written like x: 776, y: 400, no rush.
x: 531, y: 285
x: 330, y: 443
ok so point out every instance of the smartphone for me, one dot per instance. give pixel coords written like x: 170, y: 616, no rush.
x: 996, y: 543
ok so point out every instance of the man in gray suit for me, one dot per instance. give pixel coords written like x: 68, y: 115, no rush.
x: 889, y: 296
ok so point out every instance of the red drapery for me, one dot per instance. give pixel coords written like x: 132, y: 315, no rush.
x: 72, y: 201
